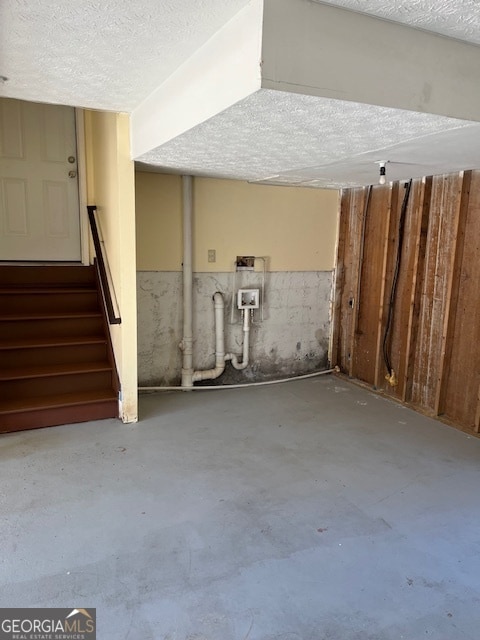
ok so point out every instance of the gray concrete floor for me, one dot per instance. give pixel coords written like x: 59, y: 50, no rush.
x: 305, y: 511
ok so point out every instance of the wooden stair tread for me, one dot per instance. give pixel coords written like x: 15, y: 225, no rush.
x: 56, y: 401
x: 35, y: 291
x: 46, y: 275
x: 32, y: 343
x: 51, y: 316
x: 54, y: 370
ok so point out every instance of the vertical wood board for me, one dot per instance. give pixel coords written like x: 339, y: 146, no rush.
x: 339, y: 325
x: 350, y: 225
x: 452, y: 290
x: 401, y: 324
x: 387, y: 267
x: 422, y: 206
x: 441, y: 238
x: 463, y: 375
x: 365, y: 338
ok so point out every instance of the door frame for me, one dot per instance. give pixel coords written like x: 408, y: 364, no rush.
x: 82, y: 186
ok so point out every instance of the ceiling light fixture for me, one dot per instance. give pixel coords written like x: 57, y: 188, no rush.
x: 383, y: 170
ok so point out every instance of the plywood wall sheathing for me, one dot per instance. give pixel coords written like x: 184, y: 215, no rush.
x: 435, y: 334
x: 411, y: 278
x: 339, y: 325
x: 463, y: 372
x: 350, y: 231
x: 387, y: 273
x: 454, y: 264
x: 365, y: 338
x: 441, y: 243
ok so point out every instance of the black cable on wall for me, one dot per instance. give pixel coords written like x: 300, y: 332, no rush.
x: 393, y: 292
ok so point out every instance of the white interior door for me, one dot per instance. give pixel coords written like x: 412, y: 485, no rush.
x: 39, y: 211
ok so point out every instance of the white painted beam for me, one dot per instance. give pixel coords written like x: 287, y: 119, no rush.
x: 223, y: 71
x: 326, y: 51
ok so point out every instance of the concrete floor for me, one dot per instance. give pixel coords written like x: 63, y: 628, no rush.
x: 305, y: 511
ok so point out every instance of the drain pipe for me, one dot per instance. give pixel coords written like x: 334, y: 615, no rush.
x: 187, y: 341
x: 220, y: 357
x: 246, y: 343
x: 241, y: 385
x: 189, y: 376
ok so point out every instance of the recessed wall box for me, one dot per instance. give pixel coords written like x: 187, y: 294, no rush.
x: 245, y: 263
x: 248, y: 298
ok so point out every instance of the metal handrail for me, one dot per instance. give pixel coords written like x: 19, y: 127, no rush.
x: 101, y: 267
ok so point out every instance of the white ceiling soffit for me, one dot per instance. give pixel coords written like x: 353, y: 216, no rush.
x: 458, y: 19
x: 222, y: 72
x: 101, y: 54
x: 284, y: 138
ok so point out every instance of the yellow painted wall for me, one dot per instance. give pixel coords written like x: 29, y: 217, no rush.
x: 295, y: 228
x: 158, y: 203
x: 111, y: 186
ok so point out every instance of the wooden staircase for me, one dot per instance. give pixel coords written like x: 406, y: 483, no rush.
x: 56, y: 364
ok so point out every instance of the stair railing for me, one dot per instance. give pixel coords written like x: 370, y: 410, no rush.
x: 101, y: 263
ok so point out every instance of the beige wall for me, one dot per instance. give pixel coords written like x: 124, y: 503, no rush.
x: 159, y: 222
x: 296, y: 228
x: 111, y: 186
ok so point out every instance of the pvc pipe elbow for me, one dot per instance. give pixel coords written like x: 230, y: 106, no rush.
x: 208, y: 374
x: 218, y: 300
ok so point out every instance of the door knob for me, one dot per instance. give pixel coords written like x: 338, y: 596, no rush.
x: 72, y: 174
x: 71, y: 159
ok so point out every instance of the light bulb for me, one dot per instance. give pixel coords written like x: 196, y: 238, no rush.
x: 382, y: 179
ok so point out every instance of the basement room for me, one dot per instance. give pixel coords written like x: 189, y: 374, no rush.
x: 240, y: 321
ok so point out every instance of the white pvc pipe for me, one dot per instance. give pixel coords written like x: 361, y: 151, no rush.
x: 211, y: 374
x: 240, y: 386
x: 187, y: 341
x: 246, y: 343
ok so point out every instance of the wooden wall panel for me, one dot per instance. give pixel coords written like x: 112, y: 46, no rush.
x: 387, y: 271
x: 434, y: 343
x: 463, y: 371
x: 452, y: 290
x: 350, y: 233
x: 441, y: 242
x: 365, y: 339
x: 419, y: 236
x: 405, y: 299
x: 340, y: 322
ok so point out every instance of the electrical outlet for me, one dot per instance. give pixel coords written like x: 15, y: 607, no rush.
x: 212, y: 255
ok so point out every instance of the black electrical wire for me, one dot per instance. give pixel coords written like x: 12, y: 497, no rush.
x: 362, y: 249
x: 393, y: 292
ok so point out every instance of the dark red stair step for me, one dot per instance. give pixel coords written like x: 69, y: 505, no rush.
x: 16, y: 302
x: 52, y: 351
x: 47, y: 275
x: 49, y: 411
x: 43, y: 326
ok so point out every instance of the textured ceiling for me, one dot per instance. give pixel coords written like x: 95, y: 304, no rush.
x: 111, y: 54
x: 103, y: 54
x: 289, y: 138
x: 453, y: 18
